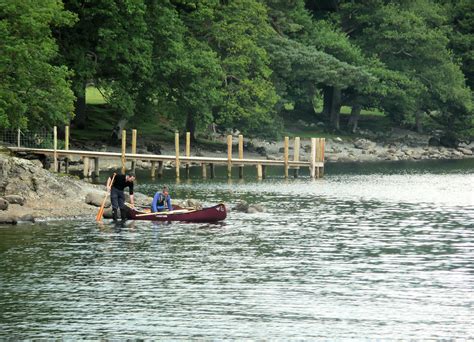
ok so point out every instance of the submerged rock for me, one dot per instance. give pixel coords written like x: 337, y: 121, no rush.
x: 241, y: 206
x: 255, y: 208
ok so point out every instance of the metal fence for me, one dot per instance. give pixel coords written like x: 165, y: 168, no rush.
x: 43, y: 138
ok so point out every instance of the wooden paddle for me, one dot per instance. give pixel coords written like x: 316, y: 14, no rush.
x: 101, y: 209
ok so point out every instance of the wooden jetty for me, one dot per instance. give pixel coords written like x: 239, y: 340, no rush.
x: 315, y: 162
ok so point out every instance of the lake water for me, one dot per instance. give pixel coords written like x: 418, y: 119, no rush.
x: 371, y: 251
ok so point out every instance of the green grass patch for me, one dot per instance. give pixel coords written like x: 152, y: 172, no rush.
x: 372, y: 120
x: 101, y: 120
x: 94, y: 96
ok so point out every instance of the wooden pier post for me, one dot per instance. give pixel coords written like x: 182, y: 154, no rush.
x: 241, y: 155
x: 204, y: 170
x: 176, y: 147
x: 160, y: 169
x: 211, y: 168
x: 229, y: 156
x: 264, y: 171
x: 66, y: 147
x: 259, y: 171
x: 153, y: 169
x: 323, y: 143
x: 124, y: 148
x: 296, y: 156
x: 18, y: 137
x: 85, y: 171
x: 55, y: 147
x: 134, y: 148
x: 188, y: 151
x: 285, y: 157
x: 96, y: 171
x: 312, y: 159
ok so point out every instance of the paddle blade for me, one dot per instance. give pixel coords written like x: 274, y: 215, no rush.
x: 100, y: 214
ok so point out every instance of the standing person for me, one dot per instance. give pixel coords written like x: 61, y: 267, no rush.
x: 160, y: 199
x: 117, y: 197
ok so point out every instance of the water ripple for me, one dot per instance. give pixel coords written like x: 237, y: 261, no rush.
x: 382, y: 257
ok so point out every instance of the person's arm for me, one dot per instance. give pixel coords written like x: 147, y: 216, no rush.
x: 109, y: 183
x: 132, y: 202
x: 168, y: 203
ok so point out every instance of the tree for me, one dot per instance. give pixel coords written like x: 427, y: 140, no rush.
x: 109, y: 46
x: 461, y: 37
x: 411, y: 38
x: 312, y: 56
x: 34, y: 90
x: 235, y: 30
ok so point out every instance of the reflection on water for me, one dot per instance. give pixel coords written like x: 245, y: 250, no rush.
x: 352, y: 255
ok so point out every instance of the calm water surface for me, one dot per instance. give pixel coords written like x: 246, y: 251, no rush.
x: 370, y: 251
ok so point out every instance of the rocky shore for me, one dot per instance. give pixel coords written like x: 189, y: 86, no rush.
x: 28, y: 192
x: 398, y: 145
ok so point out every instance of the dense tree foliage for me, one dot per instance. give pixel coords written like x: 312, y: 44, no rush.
x: 243, y: 64
x: 34, y: 90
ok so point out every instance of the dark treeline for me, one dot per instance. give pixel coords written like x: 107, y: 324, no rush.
x: 245, y: 64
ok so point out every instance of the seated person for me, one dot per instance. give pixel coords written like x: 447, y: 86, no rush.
x: 160, y: 199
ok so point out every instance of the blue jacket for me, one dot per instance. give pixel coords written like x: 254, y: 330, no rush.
x: 159, y: 200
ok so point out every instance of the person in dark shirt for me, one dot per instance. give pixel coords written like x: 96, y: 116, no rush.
x: 161, y: 200
x: 117, y: 196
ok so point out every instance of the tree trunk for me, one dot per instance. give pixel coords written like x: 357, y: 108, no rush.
x: 354, y: 118
x: 191, y: 126
x: 419, y: 121
x: 332, y: 105
x: 327, y: 101
x: 80, y: 117
x: 335, y: 107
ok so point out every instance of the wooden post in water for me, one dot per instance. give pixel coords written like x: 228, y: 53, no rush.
x: 134, y: 148
x: 259, y: 171
x: 188, y: 151
x: 96, y: 168
x: 176, y: 147
x: 85, y: 172
x: 285, y: 157
x: 153, y: 169
x: 124, y: 148
x: 204, y: 170
x: 312, y: 158
x: 229, y: 156
x: 241, y: 155
x: 264, y: 171
x: 66, y: 147
x: 296, y: 156
x: 160, y: 169
x: 321, y: 155
x: 211, y: 168
x: 55, y: 146
x: 18, y: 137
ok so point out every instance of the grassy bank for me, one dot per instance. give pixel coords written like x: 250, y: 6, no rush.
x: 102, y: 118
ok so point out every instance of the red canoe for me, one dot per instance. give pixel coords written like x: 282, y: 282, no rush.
x: 211, y: 214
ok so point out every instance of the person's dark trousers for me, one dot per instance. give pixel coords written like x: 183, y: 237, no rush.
x: 117, y: 198
x: 123, y: 213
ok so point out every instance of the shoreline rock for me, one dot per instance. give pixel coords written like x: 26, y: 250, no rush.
x: 30, y: 193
